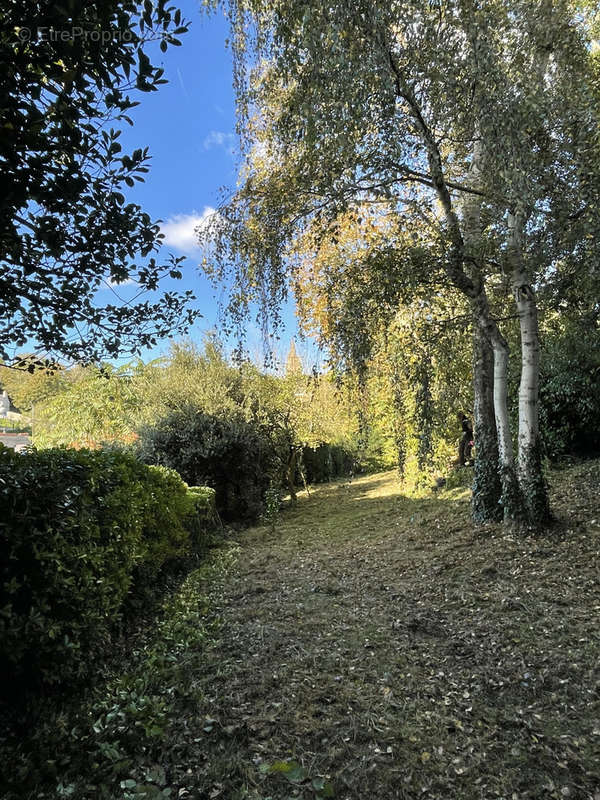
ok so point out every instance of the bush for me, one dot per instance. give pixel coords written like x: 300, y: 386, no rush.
x: 570, y: 389
x: 326, y: 462
x: 233, y: 456
x: 79, y: 532
x: 570, y: 409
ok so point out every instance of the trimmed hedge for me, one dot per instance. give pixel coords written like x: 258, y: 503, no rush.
x: 80, y: 531
x: 235, y: 457
x: 326, y: 462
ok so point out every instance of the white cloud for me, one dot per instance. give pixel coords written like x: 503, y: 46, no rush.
x: 220, y: 139
x: 180, y: 231
x: 114, y: 283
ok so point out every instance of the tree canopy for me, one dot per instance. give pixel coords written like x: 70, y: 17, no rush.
x: 70, y: 72
x: 479, y: 123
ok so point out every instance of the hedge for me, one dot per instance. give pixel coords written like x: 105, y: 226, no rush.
x: 235, y: 457
x: 326, y: 462
x: 80, y: 532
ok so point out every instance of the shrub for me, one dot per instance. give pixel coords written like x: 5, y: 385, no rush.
x: 233, y: 456
x: 460, y: 478
x: 570, y: 408
x: 78, y: 528
x: 205, y: 504
x: 326, y: 462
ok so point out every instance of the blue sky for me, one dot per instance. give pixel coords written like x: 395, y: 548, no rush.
x: 189, y: 127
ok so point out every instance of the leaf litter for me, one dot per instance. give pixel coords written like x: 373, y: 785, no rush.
x: 380, y: 645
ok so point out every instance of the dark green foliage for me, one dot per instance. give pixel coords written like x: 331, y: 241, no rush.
x: 69, y: 75
x: 78, y: 530
x: 235, y: 457
x: 569, y: 389
x: 534, y: 488
x: 109, y: 741
x: 326, y: 462
x: 570, y: 406
x: 512, y: 499
x: 487, y: 489
x: 485, y: 504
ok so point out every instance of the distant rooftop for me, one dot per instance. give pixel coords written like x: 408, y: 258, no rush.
x: 15, y: 440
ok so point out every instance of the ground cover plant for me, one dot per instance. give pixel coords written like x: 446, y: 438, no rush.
x: 375, y: 644
x: 109, y: 740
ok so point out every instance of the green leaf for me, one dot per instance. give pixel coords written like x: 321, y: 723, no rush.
x: 297, y: 774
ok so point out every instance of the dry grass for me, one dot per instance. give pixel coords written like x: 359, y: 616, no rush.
x: 386, y: 645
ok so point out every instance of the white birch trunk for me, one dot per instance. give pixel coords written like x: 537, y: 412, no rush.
x: 512, y: 498
x: 530, y: 347
x: 505, y: 447
x: 511, y: 495
x: 529, y: 460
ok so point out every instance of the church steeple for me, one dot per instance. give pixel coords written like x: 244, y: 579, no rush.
x: 293, y: 364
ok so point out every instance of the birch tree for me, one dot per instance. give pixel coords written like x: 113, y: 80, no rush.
x: 449, y: 111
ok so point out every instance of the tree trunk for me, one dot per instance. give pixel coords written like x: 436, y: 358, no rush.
x: 531, y: 478
x: 512, y: 502
x: 474, y: 289
x: 487, y: 490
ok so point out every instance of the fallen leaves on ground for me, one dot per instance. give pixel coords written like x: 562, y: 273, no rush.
x: 387, y: 648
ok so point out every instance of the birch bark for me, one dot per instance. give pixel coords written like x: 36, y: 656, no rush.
x: 531, y: 479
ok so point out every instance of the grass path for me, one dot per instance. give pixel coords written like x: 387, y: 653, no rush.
x: 384, y: 647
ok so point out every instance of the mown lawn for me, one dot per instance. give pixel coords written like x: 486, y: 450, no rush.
x: 388, y: 649
x: 371, y: 646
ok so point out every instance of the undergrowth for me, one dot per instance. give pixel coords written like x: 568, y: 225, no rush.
x: 114, y: 742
